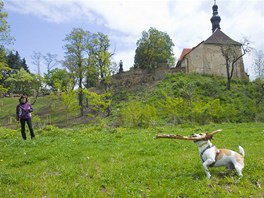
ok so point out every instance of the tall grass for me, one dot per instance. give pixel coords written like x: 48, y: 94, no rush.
x: 87, y: 162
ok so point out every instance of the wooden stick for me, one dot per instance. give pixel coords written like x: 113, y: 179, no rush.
x: 207, y: 136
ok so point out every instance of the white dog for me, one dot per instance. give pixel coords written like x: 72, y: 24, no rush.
x: 214, y: 157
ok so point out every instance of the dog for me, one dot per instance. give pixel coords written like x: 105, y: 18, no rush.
x: 211, y: 156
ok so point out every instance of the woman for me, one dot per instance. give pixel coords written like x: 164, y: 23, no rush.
x: 23, y: 113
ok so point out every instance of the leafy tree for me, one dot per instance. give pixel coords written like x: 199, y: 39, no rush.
x: 101, y: 54
x: 153, y: 48
x: 59, y: 80
x: 15, y: 62
x: 102, y: 57
x: 92, y: 76
x: 4, y: 69
x: 70, y: 102
x: 77, y: 47
x: 21, y: 82
x: 87, y: 59
x: 98, y: 102
x: 5, y: 37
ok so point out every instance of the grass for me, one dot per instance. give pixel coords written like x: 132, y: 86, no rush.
x: 88, y: 162
x: 47, y: 110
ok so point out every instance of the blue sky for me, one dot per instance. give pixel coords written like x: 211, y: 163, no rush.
x: 42, y: 25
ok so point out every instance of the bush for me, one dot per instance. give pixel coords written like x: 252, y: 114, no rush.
x: 138, y: 114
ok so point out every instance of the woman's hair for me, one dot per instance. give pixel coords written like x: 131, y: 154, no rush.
x: 23, y: 96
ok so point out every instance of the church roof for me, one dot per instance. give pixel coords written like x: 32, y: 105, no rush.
x: 218, y: 37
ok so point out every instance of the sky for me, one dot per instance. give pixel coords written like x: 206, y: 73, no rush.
x: 42, y: 25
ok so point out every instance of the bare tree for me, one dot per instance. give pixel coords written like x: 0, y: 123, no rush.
x: 50, y: 61
x: 36, y: 60
x: 232, y: 55
x: 259, y: 64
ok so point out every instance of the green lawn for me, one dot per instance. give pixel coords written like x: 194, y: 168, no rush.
x: 88, y: 162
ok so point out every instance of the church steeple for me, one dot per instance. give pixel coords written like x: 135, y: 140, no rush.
x: 215, y: 19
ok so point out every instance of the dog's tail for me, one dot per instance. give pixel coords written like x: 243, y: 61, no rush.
x: 241, y: 151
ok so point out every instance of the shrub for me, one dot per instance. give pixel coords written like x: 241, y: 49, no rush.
x: 138, y: 114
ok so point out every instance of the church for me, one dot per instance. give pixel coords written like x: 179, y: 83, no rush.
x: 208, y: 56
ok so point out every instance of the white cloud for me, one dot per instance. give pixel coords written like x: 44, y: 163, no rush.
x: 186, y: 21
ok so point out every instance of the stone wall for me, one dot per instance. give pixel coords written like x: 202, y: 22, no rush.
x: 140, y: 77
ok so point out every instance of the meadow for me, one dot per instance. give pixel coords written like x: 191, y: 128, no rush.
x: 119, y: 156
x: 88, y: 161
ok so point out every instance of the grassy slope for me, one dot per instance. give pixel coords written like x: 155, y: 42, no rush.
x: 237, y: 105
x: 46, y: 109
x: 86, y: 162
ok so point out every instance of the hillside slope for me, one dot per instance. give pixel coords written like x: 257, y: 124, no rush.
x: 178, y: 98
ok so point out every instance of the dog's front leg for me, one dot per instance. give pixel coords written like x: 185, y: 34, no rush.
x: 206, y: 165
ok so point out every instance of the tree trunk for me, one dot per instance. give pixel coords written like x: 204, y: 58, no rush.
x: 228, y: 85
x: 80, y: 97
x: 229, y: 77
x: 107, y: 88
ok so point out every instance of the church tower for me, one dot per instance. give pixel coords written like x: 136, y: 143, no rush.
x: 215, y: 19
x: 208, y: 58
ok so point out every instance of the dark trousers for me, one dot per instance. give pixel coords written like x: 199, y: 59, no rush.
x: 23, y: 130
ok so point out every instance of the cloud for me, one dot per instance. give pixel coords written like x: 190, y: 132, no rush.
x: 186, y: 21
x: 56, y: 11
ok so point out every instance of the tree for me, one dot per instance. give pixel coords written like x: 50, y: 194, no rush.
x: 5, y: 37
x: 21, y: 82
x: 51, y: 61
x: 59, y: 80
x: 101, y: 54
x: 77, y: 47
x: 102, y: 57
x: 15, y: 62
x: 259, y: 64
x: 4, y: 69
x: 153, y: 48
x: 91, y: 76
x: 70, y: 103
x: 36, y: 60
x: 232, y: 55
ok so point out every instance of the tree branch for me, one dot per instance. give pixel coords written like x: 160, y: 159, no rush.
x: 207, y: 136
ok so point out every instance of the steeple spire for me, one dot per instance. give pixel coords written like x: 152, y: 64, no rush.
x: 215, y: 19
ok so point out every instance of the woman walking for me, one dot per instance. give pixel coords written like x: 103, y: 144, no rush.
x: 23, y: 114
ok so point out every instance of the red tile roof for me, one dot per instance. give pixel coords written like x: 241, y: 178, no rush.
x: 184, y: 52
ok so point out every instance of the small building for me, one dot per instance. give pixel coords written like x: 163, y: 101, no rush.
x: 208, y: 57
